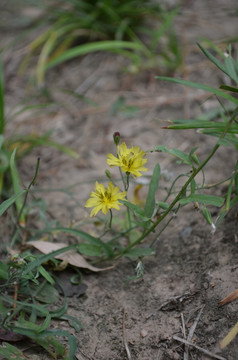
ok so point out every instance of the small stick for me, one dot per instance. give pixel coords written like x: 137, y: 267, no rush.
x: 191, y: 332
x: 198, y: 348
x: 193, y: 327
x: 124, y: 335
x: 15, y: 295
x: 183, y: 326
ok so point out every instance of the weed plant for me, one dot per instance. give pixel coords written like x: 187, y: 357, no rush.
x: 24, y: 311
x: 77, y: 27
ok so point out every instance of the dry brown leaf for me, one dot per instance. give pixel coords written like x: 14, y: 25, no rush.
x: 71, y: 256
x: 229, y: 337
x: 229, y: 298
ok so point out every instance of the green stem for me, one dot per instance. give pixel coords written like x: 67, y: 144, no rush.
x: 28, y: 188
x: 181, y: 192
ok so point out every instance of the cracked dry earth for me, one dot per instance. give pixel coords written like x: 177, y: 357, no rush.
x: 192, y: 270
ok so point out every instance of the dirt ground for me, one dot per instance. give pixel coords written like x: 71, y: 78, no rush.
x: 192, y: 269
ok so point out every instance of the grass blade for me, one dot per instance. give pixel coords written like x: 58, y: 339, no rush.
x: 5, y: 205
x: 95, y: 46
x: 2, y: 116
x: 150, y: 200
x: 210, y: 89
x: 204, y: 199
x: 17, y: 188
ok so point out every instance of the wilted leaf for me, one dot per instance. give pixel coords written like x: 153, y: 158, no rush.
x: 8, y: 335
x: 229, y: 337
x: 229, y: 298
x: 72, y: 256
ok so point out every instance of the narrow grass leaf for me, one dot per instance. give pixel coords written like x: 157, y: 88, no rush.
x: 139, y: 252
x: 150, y: 200
x: 228, y: 195
x: 207, y: 215
x: 16, y: 186
x: 175, y: 152
x: 85, y: 236
x: 203, y: 199
x: 138, y: 211
x: 92, y: 47
x: 231, y: 71
x: 229, y: 337
x: 46, y: 275
x: 3, y: 271
x: 195, y: 85
x: 90, y: 250
x: 11, y: 352
x: 2, y: 115
x: 5, y: 205
x: 213, y: 59
x: 229, y: 88
x: 198, y: 124
x: 73, y: 322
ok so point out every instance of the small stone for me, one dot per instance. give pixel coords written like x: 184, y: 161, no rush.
x: 143, y: 333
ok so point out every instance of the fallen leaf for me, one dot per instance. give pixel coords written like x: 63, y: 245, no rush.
x: 229, y: 298
x: 229, y: 337
x: 8, y: 335
x: 72, y: 256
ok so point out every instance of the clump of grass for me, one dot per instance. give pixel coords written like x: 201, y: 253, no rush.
x: 77, y: 27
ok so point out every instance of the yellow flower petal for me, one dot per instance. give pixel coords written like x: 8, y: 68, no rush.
x: 130, y: 160
x: 105, y: 198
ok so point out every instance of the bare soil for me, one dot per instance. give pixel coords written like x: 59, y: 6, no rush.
x: 192, y: 269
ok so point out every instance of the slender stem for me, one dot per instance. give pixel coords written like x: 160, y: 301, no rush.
x: 28, y: 188
x: 110, y: 219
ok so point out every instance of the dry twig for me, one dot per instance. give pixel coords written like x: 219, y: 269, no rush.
x: 191, y: 332
x: 214, y: 356
x: 124, y: 335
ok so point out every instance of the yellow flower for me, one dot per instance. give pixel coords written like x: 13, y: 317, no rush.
x: 105, y: 198
x: 130, y: 160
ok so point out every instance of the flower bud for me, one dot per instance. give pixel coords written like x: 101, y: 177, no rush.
x: 116, y: 137
x: 108, y: 174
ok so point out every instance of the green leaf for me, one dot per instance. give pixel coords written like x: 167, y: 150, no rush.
x: 47, y: 295
x: 213, y: 59
x: 10, y: 352
x: 5, y: 205
x: 195, y: 85
x: 3, y: 271
x: 16, y: 186
x: 230, y: 68
x: 2, y: 115
x: 44, y: 258
x: 193, y: 186
x: 150, y: 200
x: 85, y: 236
x: 92, y: 47
x: 46, y: 275
x: 203, y: 199
x: 229, y: 88
x: 163, y: 205
x: 139, y: 252
x: 207, y: 215
x: 73, y: 322
x: 138, y: 211
x: 175, y: 152
x: 90, y: 249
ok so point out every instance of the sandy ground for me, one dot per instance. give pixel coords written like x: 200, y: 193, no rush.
x: 192, y: 270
